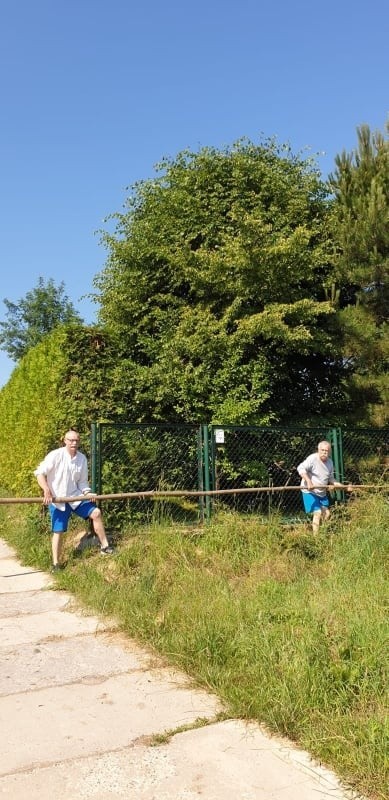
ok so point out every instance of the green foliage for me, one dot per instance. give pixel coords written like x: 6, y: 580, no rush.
x: 360, y: 231
x: 34, y: 316
x: 59, y: 383
x: 235, y: 292
x: 360, y: 183
x: 213, y: 290
x: 28, y: 409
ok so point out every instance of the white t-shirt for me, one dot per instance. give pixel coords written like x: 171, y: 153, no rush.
x: 320, y: 472
x: 66, y: 475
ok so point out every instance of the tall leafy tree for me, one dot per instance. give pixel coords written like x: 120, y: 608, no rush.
x: 360, y: 184
x: 214, y: 290
x: 41, y: 310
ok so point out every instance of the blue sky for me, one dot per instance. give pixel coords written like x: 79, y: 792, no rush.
x: 95, y: 92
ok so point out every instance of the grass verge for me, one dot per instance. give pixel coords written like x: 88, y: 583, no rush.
x: 288, y: 629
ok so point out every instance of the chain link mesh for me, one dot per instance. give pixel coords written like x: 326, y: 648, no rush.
x: 143, y: 457
x: 136, y: 458
x: 366, y: 455
x: 263, y: 457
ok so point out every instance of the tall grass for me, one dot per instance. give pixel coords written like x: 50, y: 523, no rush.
x: 287, y: 629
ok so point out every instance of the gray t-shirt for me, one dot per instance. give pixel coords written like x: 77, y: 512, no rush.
x: 320, y: 472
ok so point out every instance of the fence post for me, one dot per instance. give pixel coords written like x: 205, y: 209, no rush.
x: 94, y: 456
x: 207, y: 483
x: 200, y: 472
x: 337, y: 456
x: 99, y: 451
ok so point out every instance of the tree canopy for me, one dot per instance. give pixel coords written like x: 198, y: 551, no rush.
x: 238, y: 288
x: 360, y: 232
x: 34, y: 316
x: 214, y: 288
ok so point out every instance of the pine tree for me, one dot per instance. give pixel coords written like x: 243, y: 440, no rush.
x: 360, y: 184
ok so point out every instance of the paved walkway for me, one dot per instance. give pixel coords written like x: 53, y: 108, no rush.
x: 84, y: 713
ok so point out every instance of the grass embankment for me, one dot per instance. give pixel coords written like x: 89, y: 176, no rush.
x: 287, y: 629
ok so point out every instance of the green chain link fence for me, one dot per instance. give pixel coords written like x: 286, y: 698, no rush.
x: 366, y: 454
x: 265, y: 457
x: 142, y: 457
x: 145, y: 457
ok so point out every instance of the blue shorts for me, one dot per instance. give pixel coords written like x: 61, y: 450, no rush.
x: 312, y: 502
x: 60, y: 519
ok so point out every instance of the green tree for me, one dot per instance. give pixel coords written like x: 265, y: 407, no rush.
x: 59, y: 383
x: 360, y: 184
x: 37, y: 314
x: 214, y: 291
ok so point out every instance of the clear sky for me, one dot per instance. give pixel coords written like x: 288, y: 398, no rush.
x: 95, y: 92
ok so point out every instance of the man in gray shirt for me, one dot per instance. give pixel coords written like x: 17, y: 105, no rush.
x: 317, y: 473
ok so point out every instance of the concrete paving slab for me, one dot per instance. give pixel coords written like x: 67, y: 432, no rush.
x: 39, y: 627
x: 6, y: 551
x: 16, y: 604
x: 9, y: 568
x: 72, y: 721
x: 225, y: 761
x: 16, y: 578
x: 250, y: 764
x: 86, y: 659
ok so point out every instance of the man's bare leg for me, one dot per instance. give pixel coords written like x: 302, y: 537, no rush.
x: 56, y: 547
x: 98, y: 526
x: 316, y: 521
x: 319, y: 517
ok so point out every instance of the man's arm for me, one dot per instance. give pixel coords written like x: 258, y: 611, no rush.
x: 303, y: 471
x: 336, y: 485
x: 47, y: 495
x: 306, y: 478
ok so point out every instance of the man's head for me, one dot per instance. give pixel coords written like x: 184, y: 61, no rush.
x: 324, y: 450
x: 72, y: 440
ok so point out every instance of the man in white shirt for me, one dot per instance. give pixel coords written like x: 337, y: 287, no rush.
x: 64, y: 473
x: 317, y: 472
